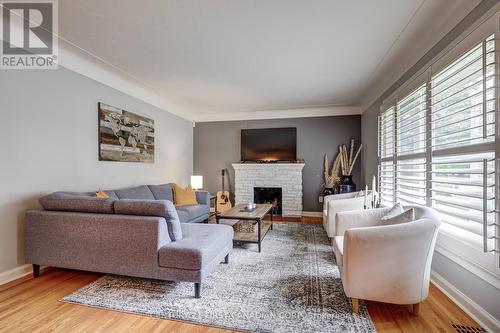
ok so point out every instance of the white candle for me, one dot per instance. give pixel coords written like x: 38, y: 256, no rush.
x: 366, y: 197
x: 374, y: 186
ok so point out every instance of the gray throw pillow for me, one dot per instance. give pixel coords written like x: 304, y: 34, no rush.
x: 406, y: 216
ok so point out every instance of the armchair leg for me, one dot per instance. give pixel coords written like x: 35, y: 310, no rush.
x: 416, y: 309
x: 36, y: 271
x: 197, y: 290
x: 355, y: 305
x: 226, y: 259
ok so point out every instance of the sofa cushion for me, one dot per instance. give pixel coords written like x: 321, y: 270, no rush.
x: 338, y: 248
x: 138, y: 192
x: 191, y: 212
x: 162, y: 208
x: 77, y: 202
x: 162, y: 192
x: 201, y: 244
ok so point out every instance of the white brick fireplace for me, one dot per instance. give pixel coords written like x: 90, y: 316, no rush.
x: 287, y: 176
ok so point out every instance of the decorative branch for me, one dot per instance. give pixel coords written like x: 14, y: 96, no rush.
x: 351, y: 151
x: 355, y: 158
x: 346, y: 161
x: 341, y: 154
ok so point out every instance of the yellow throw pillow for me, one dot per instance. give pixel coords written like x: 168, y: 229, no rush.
x: 184, y: 197
x: 101, y: 194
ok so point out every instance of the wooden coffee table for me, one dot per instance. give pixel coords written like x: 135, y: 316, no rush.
x: 238, y: 213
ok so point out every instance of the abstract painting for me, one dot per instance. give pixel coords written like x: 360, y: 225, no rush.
x: 125, y: 136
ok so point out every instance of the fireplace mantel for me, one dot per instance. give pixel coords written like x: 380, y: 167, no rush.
x: 288, y: 176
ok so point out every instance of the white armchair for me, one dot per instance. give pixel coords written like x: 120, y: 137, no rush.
x: 386, y: 263
x: 335, y: 203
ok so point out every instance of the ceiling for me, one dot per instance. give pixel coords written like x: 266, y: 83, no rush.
x: 247, y: 56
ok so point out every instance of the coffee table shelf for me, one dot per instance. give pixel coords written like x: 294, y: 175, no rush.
x: 252, y: 236
x: 263, y: 227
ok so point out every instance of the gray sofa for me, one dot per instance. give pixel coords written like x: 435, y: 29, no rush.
x: 136, y: 232
x: 187, y: 214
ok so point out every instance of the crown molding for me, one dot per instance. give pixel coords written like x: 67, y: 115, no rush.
x: 84, y: 63
x: 80, y: 61
x: 320, y: 111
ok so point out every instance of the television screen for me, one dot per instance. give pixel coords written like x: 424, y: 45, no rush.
x: 269, y: 144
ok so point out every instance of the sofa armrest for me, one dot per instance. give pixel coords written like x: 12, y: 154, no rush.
x: 396, y: 258
x: 334, y: 197
x: 358, y: 219
x: 337, y: 206
x: 345, y: 205
x: 203, y: 197
x: 109, y: 243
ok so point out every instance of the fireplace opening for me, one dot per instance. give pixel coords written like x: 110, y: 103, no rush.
x: 270, y: 195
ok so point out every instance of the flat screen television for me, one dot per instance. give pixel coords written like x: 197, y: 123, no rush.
x: 269, y: 144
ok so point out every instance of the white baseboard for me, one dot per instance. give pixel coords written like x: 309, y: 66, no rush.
x: 14, y: 274
x: 474, y: 310
x: 312, y: 214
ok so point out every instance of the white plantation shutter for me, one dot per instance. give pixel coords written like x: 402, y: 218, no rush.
x: 411, y: 120
x: 411, y: 182
x: 439, y: 146
x: 463, y: 99
x: 386, y: 155
x: 386, y: 183
x: 463, y: 190
x: 411, y: 147
x: 463, y: 110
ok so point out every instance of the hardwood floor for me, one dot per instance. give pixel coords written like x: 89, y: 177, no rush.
x: 33, y: 306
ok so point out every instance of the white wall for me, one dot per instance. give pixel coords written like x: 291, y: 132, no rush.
x: 48, y: 142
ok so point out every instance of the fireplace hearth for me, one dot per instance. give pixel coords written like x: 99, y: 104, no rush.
x: 270, y: 195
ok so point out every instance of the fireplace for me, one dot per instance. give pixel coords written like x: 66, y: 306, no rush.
x: 270, y: 195
x: 287, y: 176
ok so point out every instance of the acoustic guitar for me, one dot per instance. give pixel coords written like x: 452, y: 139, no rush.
x: 223, y: 202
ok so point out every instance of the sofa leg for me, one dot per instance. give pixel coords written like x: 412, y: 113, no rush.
x: 36, y: 271
x: 197, y: 290
x: 205, y: 221
x: 355, y: 305
x: 415, y: 309
x: 226, y: 259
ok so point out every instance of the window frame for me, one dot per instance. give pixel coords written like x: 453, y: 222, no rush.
x: 451, y: 243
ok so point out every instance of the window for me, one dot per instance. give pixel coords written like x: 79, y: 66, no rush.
x: 411, y: 143
x: 437, y: 145
x: 463, y: 135
x: 386, y: 153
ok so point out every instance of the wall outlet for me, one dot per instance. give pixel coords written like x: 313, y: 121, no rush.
x: 320, y: 199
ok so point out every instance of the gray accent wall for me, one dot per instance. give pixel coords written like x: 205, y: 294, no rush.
x: 469, y: 284
x: 49, y: 143
x: 217, y: 145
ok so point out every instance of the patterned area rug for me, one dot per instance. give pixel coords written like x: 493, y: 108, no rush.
x: 292, y: 286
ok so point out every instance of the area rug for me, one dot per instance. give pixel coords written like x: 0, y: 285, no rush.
x: 293, y: 285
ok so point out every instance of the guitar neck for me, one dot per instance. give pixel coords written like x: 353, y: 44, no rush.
x: 223, y: 173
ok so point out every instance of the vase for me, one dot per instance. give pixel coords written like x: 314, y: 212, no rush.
x: 346, y: 184
x: 328, y: 191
